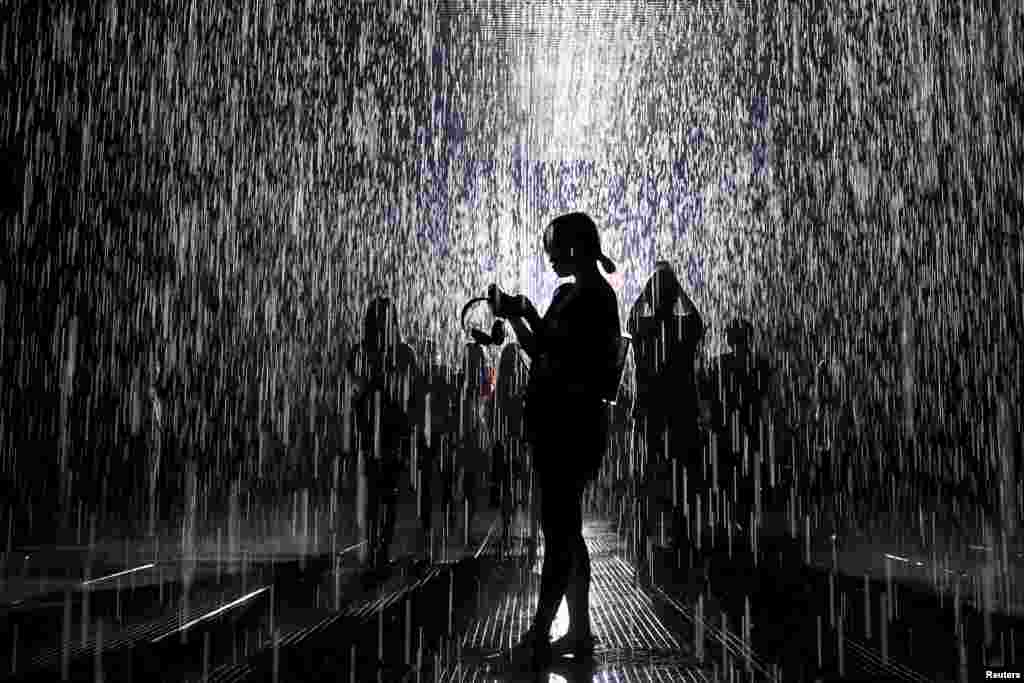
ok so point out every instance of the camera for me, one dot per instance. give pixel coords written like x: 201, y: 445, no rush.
x: 504, y: 305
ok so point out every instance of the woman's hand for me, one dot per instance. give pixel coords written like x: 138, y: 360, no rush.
x: 510, y: 307
x: 530, y: 315
x: 527, y: 309
x: 528, y: 325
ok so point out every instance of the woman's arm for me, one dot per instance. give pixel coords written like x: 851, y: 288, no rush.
x: 525, y: 336
x: 531, y: 316
x: 528, y: 327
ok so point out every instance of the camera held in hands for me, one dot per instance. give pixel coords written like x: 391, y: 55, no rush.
x: 504, y: 305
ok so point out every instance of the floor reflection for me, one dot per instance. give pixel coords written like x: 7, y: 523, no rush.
x: 634, y: 642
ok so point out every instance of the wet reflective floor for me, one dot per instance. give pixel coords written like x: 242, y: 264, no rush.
x: 640, y: 636
x: 829, y: 599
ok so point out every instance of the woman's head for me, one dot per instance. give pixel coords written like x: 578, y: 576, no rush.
x: 573, y: 245
x: 380, y: 326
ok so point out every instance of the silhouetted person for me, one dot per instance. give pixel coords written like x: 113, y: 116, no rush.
x: 666, y: 329
x: 834, y: 437
x: 1006, y: 439
x: 156, y: 419
x: 439, y: 393
x: 384, y: 378
x: 508, y: 485
x: 574, y: 351
x: 476, y: 396
x: 736, y: 388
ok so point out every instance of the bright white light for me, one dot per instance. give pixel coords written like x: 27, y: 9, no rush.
x: 121, y: 573
x: 351, y: 547
x: 562, y: 78
x: 560, y: 626
x: 210, y: 615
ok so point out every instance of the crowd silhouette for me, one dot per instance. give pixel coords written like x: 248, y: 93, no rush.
x: 529, y: 425
x: 536, y: 428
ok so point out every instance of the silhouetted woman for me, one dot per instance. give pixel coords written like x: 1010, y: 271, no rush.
x: 574, y: 350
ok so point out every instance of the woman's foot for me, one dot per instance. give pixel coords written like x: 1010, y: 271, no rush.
x: 576, y: 644
x: 533, y: 650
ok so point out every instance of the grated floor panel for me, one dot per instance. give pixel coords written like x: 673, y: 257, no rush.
x: 634, y: 643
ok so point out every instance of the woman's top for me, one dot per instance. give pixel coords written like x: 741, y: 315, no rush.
x: 576, y: 350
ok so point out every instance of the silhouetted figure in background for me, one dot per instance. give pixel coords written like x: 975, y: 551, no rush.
x: 734, y: 392
x: 834, y: 436
x: 156, y: 424
x: 440, y: 424
x: 476, y: 399
x: 1007, y: 447
x: 509, y: 486
x: 666, y: 329
x: 574, y: 351
x: 384, y: 379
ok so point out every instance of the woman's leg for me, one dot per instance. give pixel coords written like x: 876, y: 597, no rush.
x: 577, y: 595
x: 557, y: 516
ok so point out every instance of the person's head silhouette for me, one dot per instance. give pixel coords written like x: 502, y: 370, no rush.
x: 663, y: 289
x: 573, y: 246
x: 380, y: 325
x: 739, y: 334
